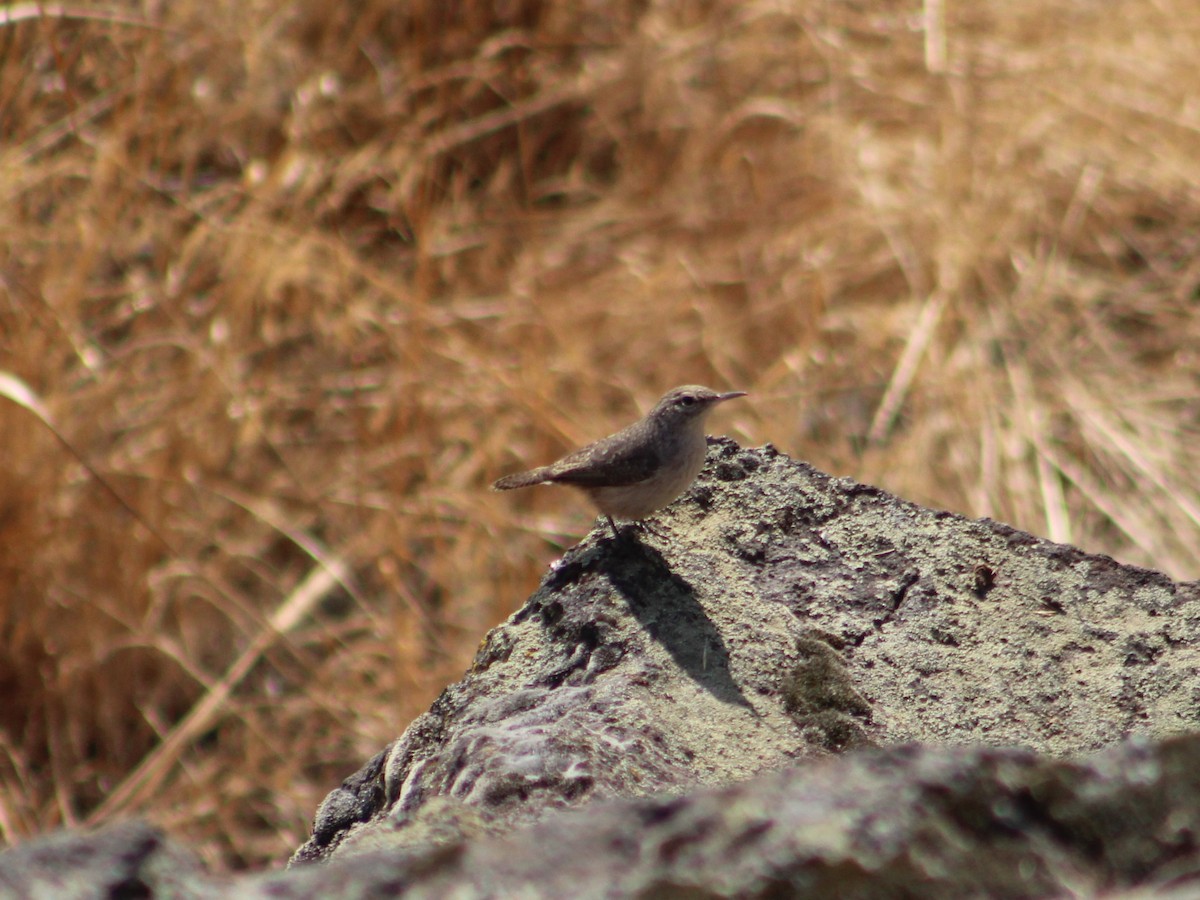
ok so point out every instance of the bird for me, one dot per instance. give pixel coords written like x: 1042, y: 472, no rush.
x: 644, y: 466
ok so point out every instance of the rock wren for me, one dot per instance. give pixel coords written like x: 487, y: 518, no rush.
x: 641, y: 468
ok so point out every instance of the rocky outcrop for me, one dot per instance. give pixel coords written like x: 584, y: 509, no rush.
x: 907, y: 822
x: 778, y: 616
x: 793, y: 682
x: 122, y: 861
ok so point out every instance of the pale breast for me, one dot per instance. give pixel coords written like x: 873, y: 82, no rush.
x: 637, y: 501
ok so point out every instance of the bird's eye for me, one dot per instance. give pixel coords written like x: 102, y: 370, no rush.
x: 687, y: 400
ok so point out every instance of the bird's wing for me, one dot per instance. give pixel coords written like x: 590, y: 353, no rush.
x: 616, y: 461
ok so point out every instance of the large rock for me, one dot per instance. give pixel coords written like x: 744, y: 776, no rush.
x: 908, y: 822
x: 122, y: 861
x: 780, y: 615
x: 794, y: 684
x: 903, y: 822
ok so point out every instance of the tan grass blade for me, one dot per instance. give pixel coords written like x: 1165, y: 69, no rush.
x: 1031, y: 420
x: 907, y: 366
x: 1140, y: 458
x: 20, y: 393
x: 23, y: 12
x: 1136, y: 524
x: 154, y: 768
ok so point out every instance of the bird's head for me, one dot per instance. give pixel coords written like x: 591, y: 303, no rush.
x: 691, y: 401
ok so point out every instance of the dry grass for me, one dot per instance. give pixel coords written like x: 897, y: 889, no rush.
x: 285, y: 285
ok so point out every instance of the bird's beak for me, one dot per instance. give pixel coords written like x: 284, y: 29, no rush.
x: 729, y: 395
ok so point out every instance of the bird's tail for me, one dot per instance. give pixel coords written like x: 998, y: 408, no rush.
x: 521, y: 479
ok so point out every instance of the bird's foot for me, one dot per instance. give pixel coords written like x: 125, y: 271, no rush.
x: 623, y: 533
x: 644, y: 525
x: 617, y: 532
x: 627, y: 532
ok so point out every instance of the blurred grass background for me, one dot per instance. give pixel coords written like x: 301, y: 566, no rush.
x: 285, y: 285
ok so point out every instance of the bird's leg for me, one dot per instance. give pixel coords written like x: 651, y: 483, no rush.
x: 613, y: 526
x: 645, y: 526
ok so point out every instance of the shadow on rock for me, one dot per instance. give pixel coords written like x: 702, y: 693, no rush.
x: 666, y: 606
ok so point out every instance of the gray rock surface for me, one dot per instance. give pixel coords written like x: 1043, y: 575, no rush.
x: 906, y: 822
x: 781, y: 616
x: 123, y: 861
x: 796, y: 685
